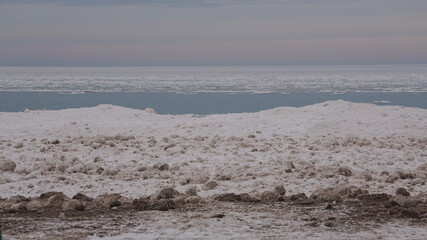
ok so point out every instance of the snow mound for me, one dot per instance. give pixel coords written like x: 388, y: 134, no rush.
x: 112, y: 149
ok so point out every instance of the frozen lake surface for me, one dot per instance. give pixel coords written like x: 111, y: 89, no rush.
x: 188, y: 80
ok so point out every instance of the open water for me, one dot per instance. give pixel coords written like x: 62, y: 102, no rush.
x: 208, y: 90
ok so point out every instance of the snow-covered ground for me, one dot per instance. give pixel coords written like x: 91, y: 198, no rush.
x: 114, y: 149
x: 111, y: 149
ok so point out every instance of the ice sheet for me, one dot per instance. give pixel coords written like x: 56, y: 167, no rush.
x: 273, y: 79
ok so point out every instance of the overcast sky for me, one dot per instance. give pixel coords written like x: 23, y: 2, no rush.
x: 208, y: 32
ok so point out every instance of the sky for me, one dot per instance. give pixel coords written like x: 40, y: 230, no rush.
x: 209, y: 32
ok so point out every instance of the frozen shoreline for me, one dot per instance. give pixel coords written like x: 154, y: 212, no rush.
x: 108, y: 149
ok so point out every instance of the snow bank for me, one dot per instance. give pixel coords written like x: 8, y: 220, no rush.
x: 108, y: 149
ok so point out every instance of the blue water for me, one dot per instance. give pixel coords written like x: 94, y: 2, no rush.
x: 207, y: 90
x: 200, y: 103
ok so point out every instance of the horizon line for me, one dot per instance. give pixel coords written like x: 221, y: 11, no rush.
x: 273, y: 65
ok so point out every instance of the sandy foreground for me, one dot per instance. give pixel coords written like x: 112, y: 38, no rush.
x: 335, y: 170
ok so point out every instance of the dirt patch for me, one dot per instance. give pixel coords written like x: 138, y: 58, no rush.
x: 82, y: 217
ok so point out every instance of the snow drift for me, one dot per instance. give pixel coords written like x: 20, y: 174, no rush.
x: 111, y: 149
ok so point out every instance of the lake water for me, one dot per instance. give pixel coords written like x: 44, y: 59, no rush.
x: 207, y: 90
